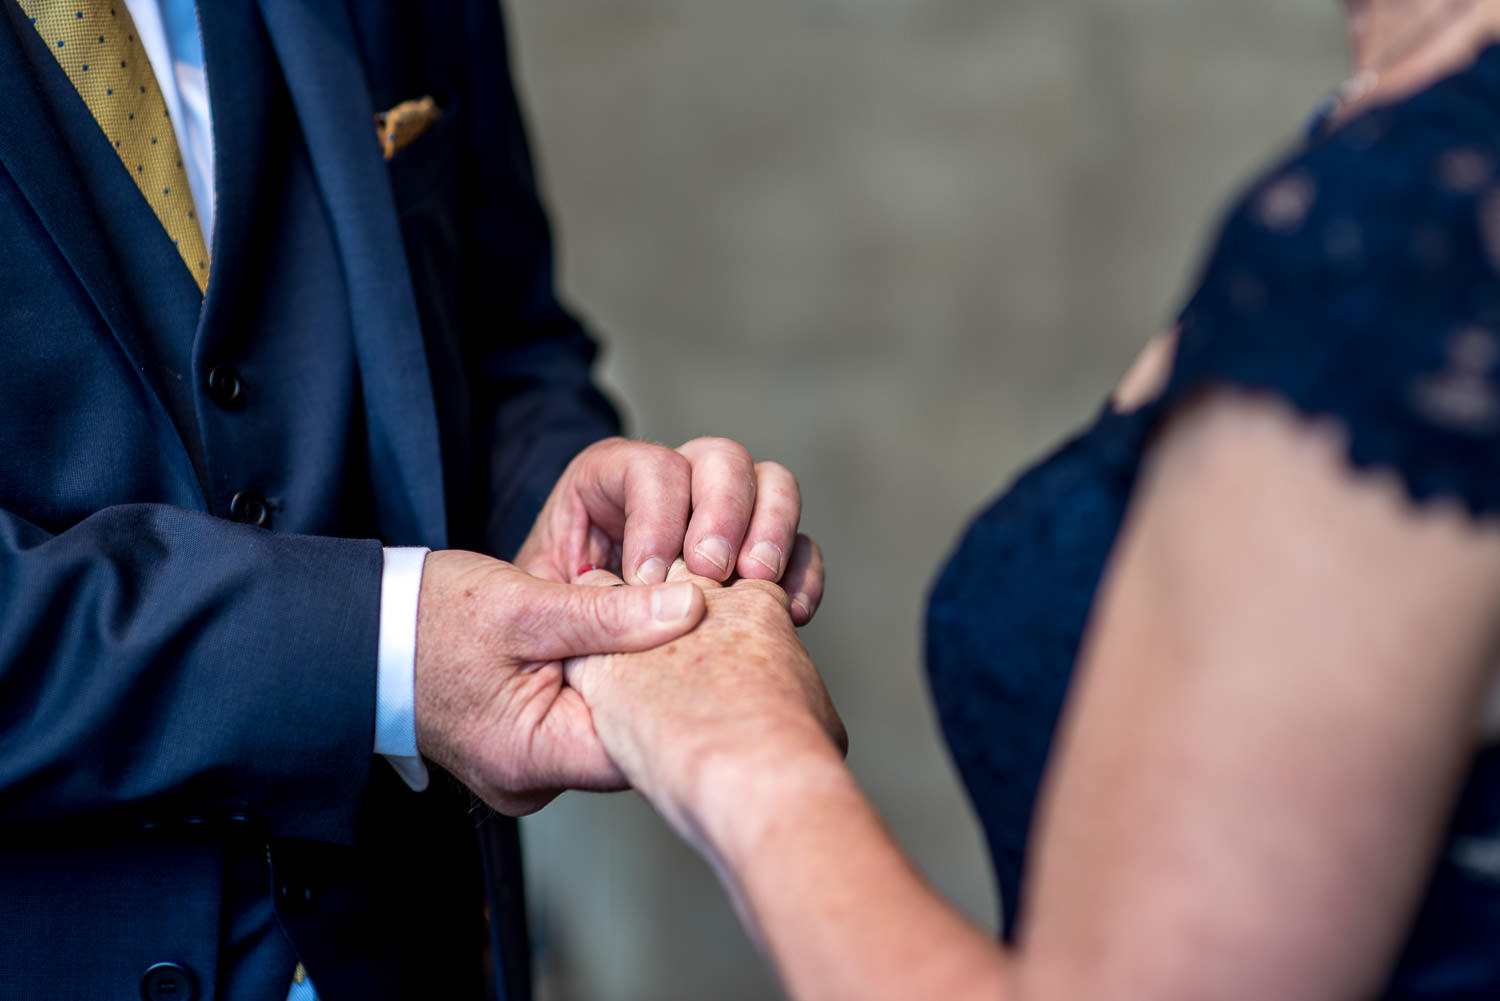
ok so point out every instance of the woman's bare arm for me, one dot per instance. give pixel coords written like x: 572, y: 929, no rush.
x: 1278, y: 697
x: 1280, y: 691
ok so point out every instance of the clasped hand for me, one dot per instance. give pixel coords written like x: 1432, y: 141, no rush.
x: 691, y: 723
x: 493, y: 705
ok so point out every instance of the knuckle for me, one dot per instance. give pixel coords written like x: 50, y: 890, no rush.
x: 666, y: 461
x: 734, y: 451
x: 777, y: 484
x: 782, y: 496
x: 719, y: 449
x: 654, y: 465
x: 597, y: 610
x: 676, y: 462
x: 692, y: 447
x: 763, y: 595
x: 770, y: 469
x: 568, y: 622
x: 599, y: 448
x: 628, y: 450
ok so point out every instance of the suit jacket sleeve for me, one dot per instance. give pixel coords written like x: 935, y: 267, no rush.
x: 158, y: 665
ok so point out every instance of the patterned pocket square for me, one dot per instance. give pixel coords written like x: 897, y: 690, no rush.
x: 403, y: 123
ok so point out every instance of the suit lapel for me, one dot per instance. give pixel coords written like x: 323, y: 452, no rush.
x: 41, y: 162
x: 319, y: 57
x: 241, y: 88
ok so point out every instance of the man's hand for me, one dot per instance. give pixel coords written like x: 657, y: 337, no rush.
x: 633, y: 507
x: 491, y: 705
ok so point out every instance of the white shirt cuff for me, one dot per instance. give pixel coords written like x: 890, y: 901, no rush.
x: 395, y: 686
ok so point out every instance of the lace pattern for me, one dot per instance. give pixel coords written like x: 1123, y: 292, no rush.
x: 1359, y: 280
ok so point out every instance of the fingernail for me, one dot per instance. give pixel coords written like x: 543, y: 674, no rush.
x: 717, y: 551
x: 768, y: 555
x: 671, y: 603
x: 801, y: 605
x: 653, y: 571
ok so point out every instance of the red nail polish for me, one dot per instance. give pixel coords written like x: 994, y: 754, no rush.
x: 586, y: 568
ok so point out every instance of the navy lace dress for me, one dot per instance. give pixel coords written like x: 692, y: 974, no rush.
x: 1359, y: 280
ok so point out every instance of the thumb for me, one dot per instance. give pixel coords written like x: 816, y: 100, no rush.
x: 575, y: 620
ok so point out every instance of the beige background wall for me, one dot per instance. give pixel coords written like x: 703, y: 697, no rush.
x: 900, y: 246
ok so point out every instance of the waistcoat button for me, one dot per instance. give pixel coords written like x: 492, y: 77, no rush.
x: 225, y: 387
x: 294, y: 895
x: 169, y: 982
x: 249, y: 508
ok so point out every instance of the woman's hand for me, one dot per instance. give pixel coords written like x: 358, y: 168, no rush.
x: 730, y: 735
x: 689, y: 722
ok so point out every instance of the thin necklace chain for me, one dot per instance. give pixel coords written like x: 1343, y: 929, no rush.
x: 1406, y: 45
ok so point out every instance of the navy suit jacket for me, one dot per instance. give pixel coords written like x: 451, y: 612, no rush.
x: 187, y: 703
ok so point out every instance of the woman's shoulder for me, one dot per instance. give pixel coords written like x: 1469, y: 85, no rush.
x: 1359, y: 279
x: 1423, y: 160
x: 1413, y: 185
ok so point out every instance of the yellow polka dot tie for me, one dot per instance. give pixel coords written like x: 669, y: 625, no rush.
x: 96, y: 43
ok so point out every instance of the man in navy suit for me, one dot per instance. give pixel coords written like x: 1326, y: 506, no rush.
x: 241, y: 527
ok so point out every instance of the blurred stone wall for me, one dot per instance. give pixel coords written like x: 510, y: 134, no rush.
x: 900, y: 246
